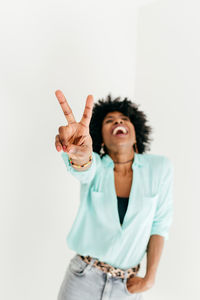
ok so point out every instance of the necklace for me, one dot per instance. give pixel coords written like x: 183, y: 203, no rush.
x: 117, y: 162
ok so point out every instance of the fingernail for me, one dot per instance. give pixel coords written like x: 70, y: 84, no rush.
x: 64, y: 147
x: 58, y: 148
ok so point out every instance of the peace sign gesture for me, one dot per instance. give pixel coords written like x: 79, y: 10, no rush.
x: 75, y: 136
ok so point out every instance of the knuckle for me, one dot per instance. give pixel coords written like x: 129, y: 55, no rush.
x: 85, y: 115
x: 61, y: 129
x: 57, y: 137
x: 67, y: 113
x: 57, y: 143
x: 63, y: 141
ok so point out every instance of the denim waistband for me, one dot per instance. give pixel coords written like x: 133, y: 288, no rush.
x: 107, y: 268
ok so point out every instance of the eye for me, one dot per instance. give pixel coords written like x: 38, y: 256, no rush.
x: 124, y: 118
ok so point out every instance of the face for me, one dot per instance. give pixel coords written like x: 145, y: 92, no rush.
x: 116, y: 139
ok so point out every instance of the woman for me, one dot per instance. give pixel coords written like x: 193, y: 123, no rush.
x: 126, y: 204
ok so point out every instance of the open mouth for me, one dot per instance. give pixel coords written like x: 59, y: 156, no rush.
x: 120, y: 131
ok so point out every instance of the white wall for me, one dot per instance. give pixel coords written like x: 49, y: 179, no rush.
x: 89, y: 47
x: 167, y: 85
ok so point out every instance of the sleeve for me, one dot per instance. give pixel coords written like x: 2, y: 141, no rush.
x: 164, y: 211
x: 84, y: 176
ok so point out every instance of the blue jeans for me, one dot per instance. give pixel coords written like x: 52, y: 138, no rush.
x: 84, y: 282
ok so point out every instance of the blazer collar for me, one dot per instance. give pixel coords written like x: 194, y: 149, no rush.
x: 138, y: 161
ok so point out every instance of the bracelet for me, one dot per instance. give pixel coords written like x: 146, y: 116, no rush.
x: 90, y: 160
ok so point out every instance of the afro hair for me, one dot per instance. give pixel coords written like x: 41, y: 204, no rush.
x: 129, y: 109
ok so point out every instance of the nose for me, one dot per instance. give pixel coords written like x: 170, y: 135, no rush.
x: 118, y: 120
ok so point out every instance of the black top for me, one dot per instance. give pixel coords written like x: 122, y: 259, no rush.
x: 122, y: 207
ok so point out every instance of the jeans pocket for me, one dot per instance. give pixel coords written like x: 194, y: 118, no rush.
x: 77, y: 266
x: 126, y: 288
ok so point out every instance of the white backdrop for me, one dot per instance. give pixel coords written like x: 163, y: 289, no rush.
x: 148, y: 53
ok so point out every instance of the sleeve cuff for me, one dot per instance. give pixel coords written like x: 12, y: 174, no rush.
x: 164, y: 234
x: 84, y: 176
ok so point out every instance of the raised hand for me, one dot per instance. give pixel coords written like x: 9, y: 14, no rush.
x: 74, y: 138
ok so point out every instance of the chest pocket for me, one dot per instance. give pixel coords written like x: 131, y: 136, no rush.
x: 96, y: 194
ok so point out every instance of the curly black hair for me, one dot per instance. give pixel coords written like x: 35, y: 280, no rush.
x: 128, y: 108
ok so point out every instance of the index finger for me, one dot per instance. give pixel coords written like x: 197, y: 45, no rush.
x: 65, y: 107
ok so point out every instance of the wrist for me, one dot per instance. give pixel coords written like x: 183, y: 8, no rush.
x: 77, y: 163
x: 150, y: 277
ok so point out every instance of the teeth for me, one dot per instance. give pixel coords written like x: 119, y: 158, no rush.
x: 119, y: 128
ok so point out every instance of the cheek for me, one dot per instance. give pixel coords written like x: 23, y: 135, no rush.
x: 105, y: 133
x: 132, y: 130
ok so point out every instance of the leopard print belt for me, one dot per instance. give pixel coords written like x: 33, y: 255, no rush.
x: 115, y: 272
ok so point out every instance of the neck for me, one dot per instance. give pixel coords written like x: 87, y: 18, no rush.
x: 123, y: 161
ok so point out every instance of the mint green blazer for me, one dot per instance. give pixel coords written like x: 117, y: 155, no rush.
x: 96, y: 230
